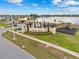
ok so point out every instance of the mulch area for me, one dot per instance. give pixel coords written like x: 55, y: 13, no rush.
x: 67, y: 31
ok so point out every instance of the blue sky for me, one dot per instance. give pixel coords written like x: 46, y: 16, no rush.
x: 24, y: 7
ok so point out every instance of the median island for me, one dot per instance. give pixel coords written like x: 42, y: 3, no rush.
x: 40, y: 51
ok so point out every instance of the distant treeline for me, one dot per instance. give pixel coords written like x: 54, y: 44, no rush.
x: 59, y: 15
x: 4, y: 16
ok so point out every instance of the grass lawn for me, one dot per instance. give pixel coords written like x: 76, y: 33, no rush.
x: 4, y: 25
x: 61, y: 39
x: 35, y: 48
x: 40, y: 51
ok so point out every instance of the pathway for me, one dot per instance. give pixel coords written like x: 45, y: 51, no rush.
x: 49, y: 44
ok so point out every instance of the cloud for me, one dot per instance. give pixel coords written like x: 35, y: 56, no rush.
x: 65, y: 3
x: 17, y: 2
x: 70, y: 9
x: 34, y: 5
x: 72, y: 2
x: 56, y: 2
x: 47, y: 9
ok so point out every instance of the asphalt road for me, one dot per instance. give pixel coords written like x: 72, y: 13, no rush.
x: 9, y: 50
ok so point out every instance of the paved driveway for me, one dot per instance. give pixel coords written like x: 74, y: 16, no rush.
x: 10, y: 51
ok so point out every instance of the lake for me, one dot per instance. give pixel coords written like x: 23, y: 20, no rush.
x: 74, y: 20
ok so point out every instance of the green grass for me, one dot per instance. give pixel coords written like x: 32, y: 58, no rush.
x: 32, y: 47
x: 37, y: 49
x: 39, y: 33
x: 4, y: 25
x: 61, y: 39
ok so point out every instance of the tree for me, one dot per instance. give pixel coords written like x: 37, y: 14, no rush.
x: 33, y: 16
x: 29, y: 21
x: 44, y: 24
x: 40, y: 24
x: 48, y: 27
x: 27, y: 27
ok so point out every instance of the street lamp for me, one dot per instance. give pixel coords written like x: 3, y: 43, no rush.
x: 13, y: 22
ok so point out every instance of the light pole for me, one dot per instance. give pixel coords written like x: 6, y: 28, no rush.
x: 13, y: 29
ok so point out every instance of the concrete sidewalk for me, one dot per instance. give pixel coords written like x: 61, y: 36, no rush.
x: 49, y: 44
x: 8, y: 50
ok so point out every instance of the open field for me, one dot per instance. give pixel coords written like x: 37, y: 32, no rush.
x: 40, y: 51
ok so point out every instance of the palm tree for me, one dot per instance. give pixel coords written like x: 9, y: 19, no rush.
x: 28, y: 23
x: 40, y: 24
x: 44, y: 24
x: 27, y: 27
x: 33, y: 17
x: 48, y: 27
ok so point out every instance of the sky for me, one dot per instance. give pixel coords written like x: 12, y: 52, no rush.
x: 25, y: 7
